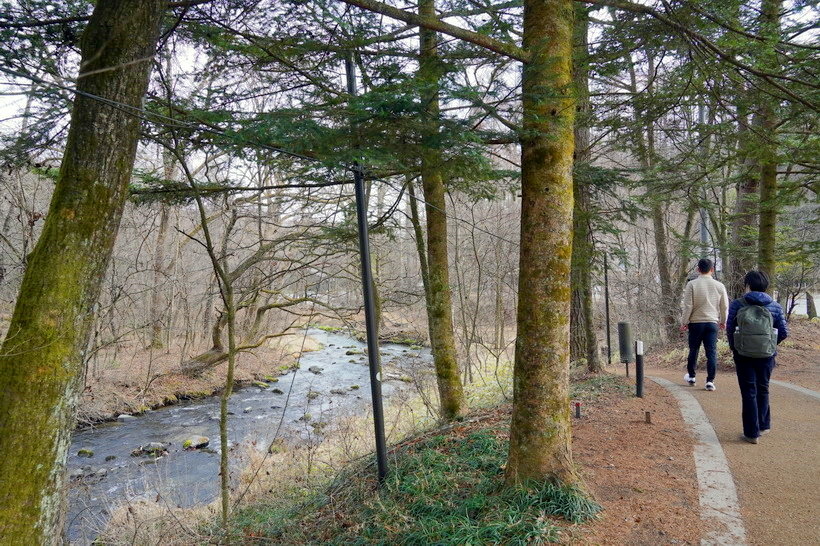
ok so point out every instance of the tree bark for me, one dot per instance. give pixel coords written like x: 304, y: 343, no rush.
x: 439, y: 303
x: 158, y: 273
x: 811, y: 307
x: 669, y: 304
x: 42, y: 354
x: 540, y: 432
x: 770, y: 28
x: 584, y: 343
x: 742, y: 258
x: 421, y: 248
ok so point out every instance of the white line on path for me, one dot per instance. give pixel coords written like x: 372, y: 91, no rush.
x: 798, y: 388
x: 720, y: 509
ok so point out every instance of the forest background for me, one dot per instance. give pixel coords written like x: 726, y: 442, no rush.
x: 695, y: 130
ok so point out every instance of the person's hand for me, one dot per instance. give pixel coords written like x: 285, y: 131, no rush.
x: 684, y: 327
x: 722, y: 325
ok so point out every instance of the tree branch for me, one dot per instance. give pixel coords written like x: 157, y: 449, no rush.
x: 432, y: 23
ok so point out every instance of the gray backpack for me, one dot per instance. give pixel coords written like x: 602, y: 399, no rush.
x: 754, y: 335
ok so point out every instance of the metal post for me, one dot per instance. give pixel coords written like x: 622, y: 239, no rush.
x: 625, y: 344
x: 606, y: 306
x: 369, y: 302
x: 639, y: 369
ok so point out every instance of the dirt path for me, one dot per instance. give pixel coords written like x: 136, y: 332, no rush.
x: 778, y: 480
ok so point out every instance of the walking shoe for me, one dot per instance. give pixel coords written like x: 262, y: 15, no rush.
x: 689, y: 379
x: 750, y: 440
x: 765, y: 431
x: 710, y: 385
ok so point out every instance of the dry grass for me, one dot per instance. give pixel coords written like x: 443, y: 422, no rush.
x: 134, y: 379
x: 291, y: 472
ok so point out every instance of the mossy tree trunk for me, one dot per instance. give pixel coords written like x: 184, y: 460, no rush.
x: 669, y: 304
x: 439, y: 301
x: 584, y: 342
x: 540, y: 432
x: 42, y: 354
x: 770, y: 29
x: 744, y: 220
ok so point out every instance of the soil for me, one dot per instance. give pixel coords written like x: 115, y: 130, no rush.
x: 777, y: 480
x: 643, y: 474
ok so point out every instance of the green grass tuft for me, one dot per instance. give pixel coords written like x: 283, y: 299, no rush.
x: 442, y: 490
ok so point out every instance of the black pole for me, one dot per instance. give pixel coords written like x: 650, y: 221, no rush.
x: 369, y: 305
x: 639, y: 369
x: 606, y: 306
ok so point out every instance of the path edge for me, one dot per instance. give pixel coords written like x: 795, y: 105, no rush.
x: 796, y: 388
x: 717, y: 493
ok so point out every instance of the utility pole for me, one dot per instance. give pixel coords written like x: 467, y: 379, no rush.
x: 369, y: 300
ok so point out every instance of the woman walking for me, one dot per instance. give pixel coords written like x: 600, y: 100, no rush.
x: 754, y: 327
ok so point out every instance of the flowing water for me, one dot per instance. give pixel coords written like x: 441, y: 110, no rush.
x: 188, y: 477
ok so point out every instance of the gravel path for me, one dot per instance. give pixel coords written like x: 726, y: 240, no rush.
x: 778, y: 480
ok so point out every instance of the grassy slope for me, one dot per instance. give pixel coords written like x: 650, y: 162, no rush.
x: 444, y: 488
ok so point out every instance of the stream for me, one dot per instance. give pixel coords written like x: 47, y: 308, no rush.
x: 112, y: 476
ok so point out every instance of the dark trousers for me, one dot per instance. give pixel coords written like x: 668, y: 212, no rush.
x: 753, y: 376
x: 706, y: 333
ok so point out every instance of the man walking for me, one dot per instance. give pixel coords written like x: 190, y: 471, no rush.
x: 705, y: 306
x: 755, y: 326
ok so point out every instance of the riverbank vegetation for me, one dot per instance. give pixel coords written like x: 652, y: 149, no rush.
x: 446, y: 483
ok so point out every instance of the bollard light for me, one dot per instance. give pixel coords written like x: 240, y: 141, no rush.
x: 625, y: 344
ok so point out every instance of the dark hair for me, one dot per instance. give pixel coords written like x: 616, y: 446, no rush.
x: 705, y: 265
x: 756, y: 280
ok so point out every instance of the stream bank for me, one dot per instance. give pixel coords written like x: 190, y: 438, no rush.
x: 330, y: 381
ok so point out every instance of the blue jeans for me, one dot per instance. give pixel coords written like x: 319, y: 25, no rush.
x: 706, y: 333
x: 753, y: 376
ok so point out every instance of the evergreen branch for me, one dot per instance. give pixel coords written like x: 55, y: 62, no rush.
x: 433, y: 23
x: 83, y: 18
x: 707, y: 44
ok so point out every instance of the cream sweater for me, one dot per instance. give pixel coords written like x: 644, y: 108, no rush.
x: 705, y: 300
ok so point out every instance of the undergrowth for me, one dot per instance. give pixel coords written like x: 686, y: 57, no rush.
x: 441, y: 490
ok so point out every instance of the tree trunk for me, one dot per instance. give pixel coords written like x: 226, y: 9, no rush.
x: 584, y: 343
x: 669, y: 305
x: 540, y: 432
x: 418, y: 234
x: 770, y: 28
x: 42, y: 354
x: 156, y: 293
x: 743, y: 226
x: 811, y: 308
x: 439, y: 303
x: 646, y: 153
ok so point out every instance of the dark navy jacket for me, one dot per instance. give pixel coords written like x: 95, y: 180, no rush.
x: 757, y: 298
